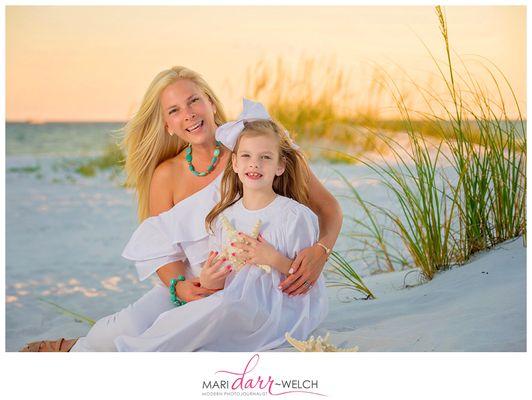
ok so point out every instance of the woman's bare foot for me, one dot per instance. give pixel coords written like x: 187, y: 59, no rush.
x: 60, y: 345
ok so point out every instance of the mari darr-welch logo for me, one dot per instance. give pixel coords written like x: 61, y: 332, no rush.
x: 249, y: 382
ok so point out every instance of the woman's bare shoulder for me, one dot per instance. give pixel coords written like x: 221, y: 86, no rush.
x: 166, y: 171
x: 162, y: 186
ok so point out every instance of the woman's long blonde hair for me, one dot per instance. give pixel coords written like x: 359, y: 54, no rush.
x: 293, y: 183
x: 146, y: 142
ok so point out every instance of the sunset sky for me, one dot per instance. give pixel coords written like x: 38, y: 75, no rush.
x: 94, y: 63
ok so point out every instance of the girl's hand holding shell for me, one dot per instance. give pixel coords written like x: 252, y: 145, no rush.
x: 214, y: 272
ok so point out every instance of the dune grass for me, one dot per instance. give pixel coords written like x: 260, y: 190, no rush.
x: 347, y: 277
x: 312, y: 99
x: 305, y: 98
x: 491, y: 190
x: 315, y: 100
x: 444, y: 218
x: 67, y: 312
x: 427, y: 206
x: 112, y: 159
x: 370, y: 237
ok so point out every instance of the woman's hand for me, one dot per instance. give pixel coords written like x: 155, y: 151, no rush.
x: 306, y: 267
x: 213, y: 274
x: 190, y: 290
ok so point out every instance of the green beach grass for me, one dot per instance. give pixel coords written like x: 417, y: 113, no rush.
x: 444, y: 220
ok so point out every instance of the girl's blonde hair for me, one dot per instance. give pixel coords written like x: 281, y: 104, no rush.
x: 146, y: 142
x: 293, y: 183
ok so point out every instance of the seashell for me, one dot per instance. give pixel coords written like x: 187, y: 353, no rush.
x: 318, y: 344
x: 232, y: 236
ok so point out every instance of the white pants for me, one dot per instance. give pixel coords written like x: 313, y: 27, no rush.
x: 131, y: 321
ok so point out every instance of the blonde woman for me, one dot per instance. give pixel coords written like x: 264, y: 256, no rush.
x: 173, y: 159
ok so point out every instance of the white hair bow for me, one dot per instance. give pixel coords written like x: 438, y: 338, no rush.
x: 229, y: 132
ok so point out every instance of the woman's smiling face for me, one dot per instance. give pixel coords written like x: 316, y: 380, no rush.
x: 188, y: 112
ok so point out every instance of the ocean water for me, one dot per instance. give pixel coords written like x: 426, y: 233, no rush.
x: 65, y: 232
x: 60, y: 139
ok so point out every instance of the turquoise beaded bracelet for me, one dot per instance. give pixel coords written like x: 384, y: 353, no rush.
x: 173, y: 296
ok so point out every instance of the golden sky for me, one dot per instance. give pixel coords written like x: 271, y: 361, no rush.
x: 94, y: 63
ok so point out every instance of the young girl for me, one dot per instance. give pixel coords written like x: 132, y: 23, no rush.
x: 265, y: 186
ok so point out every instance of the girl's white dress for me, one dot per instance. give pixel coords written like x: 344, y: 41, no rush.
x: 251, y: 313
x: 179, y: 234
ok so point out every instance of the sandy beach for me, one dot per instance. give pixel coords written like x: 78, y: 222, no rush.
x: 480, y: 306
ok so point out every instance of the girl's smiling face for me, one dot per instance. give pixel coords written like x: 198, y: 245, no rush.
x: 257, y: 161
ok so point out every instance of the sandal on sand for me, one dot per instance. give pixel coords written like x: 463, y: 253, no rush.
x: 60, y: 345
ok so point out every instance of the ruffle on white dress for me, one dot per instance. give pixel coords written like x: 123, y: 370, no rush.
x: 251, y: 313
x: 178, y: 234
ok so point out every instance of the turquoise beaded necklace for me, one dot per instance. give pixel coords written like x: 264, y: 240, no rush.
x: 211, y: 166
